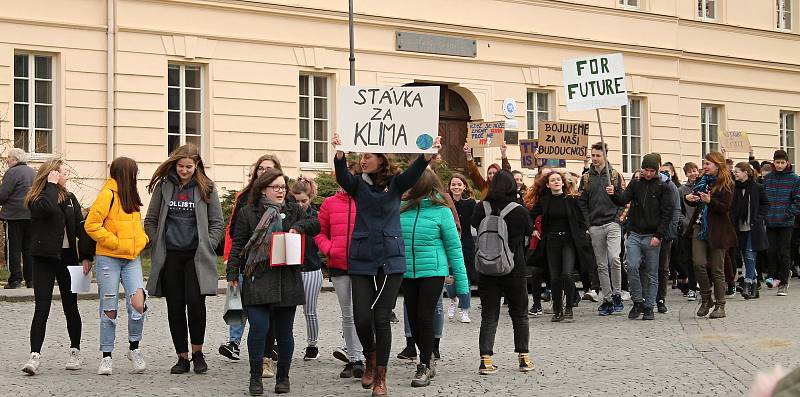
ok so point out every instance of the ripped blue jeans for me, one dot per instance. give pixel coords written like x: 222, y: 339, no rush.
x: 109, y: 273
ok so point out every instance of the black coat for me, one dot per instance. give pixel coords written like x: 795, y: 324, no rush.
x: 282, y: 285
x: 758, y: 213
x: 651, y: 206
x: 49, y: 219
x: 577, y: 228
x: 519, y: 227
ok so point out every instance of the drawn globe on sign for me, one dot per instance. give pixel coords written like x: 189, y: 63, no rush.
x: 424, y: 141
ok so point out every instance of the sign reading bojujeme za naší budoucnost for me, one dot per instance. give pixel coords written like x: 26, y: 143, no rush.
x: 595, y: 82
x: 388, y: 119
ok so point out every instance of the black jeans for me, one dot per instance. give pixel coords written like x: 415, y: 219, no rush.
x: 420, y: 296
x: 18, y: 246
x: 514, y: 289
x: 685, y: 265
x: 780, y: 242
x: 277, y: 319
x: 46, y: 271
x: 664, y: 258
x: 561, y: 257
x: 374, y: 298
x: 185, y: 305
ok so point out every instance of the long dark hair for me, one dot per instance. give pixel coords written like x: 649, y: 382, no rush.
x: 187, y: 151
x: 124, y: 171
x: 254, y: 172
x: 503, y: 187
x: 263, y: 181
x: 428, y: 186
x: 385, y: 171
x: 674, y: 176
x: 467, y: 190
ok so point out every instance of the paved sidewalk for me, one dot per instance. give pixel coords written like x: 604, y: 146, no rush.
x: 675, y: 355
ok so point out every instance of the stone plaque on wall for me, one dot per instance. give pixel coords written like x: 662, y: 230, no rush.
x: 435, y: 44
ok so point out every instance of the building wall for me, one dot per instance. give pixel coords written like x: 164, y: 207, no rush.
x: 253, y: 52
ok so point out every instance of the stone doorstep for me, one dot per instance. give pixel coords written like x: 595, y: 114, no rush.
x: 26, y: 294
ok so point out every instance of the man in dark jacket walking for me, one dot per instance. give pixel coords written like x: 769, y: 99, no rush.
x: 601, y: 215
x: 649, y: 218
x: 16, y: 184
x: 783, y: 194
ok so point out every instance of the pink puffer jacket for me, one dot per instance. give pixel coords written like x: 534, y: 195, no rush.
x: 336, y: 230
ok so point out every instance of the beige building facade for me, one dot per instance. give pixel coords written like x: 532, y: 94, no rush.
x: 96, y: 79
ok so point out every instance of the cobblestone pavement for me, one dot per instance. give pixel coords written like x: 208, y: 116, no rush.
x: 677, y: 354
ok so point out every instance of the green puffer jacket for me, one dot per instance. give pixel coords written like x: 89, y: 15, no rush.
x: 431, y: 243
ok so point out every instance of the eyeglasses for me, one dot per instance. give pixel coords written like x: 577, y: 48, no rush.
x: 262, y: 169
x: 278, y: 188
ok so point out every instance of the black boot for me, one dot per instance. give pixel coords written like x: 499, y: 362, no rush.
x: 256, y: 387
x: 410, y: 352
x: 754, y: 291
x: 282, y: 379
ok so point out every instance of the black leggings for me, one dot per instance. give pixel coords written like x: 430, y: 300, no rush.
x: 184, y: 302
x: 420, y: 296
x: 374, y: 298
x: 561, y: 263
x: 45, y: 272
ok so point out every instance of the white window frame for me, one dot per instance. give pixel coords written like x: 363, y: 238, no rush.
x: 706, y: 143
x: 535, y: 113
x: 311, y: 164
x: 182, y: 88
x: 702, y: 6
x: 33, y: 103
x: 784, y: 7
x: 630, y: 160
x: 626, y: 4
x: 785, y: 132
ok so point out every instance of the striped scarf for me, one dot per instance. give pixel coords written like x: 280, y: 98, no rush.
x: 258, y: 247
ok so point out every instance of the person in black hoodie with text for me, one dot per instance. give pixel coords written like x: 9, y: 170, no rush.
x: 59, y: 240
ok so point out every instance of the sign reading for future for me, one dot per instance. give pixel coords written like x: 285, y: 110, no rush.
x: 388, y: 119
x: 595, y: 82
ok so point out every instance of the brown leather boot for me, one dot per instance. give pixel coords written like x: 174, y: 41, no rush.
x: 719, y: 311
x: 705, y: 305
x: 369, y: 372
x: 379, y: 389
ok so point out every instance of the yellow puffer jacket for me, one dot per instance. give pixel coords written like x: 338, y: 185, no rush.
x: 117, y: 233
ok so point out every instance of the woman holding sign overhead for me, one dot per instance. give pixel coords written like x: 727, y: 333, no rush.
x: 475, y: 174
x: 270, y: 292
x: 59, y: 240
x: 377, y: 259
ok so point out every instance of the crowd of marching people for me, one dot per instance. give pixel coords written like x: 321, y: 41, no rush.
x: 387, y: 232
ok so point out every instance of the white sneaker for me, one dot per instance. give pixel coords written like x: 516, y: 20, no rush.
x: 451, y: 310
x: 32, y: 365
x: 691, y: 296
x: 137, y: 359
x: 74, y: 360
x: 626, y: 296
x: 106, y: 365
x: 465, y: 316
x: 590, y: 295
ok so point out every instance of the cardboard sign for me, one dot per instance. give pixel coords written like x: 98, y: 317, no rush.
x: 527, y: 148
x: 595, y: 82
x: 566, y: 141
x: 388, y: 119
x: 735, y: 142
x: 486, y: 134
x: 287, y: 249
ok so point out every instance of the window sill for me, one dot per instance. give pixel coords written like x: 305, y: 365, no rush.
x: 316, y: 167
x: 41, y: 157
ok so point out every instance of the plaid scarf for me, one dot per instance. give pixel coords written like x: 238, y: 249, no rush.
x: 258, y: 247
x: 704, y: 185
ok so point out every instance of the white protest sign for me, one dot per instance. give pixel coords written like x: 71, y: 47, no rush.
x: 595, y: 82
x: 388, y: 119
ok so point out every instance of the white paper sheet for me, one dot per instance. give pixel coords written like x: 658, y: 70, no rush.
x: 80, y: 281
x: 294, y: 249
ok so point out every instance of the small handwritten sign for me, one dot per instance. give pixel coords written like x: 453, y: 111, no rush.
x: 486, y: 134
x: 565, y: 141
x: 735, y: 142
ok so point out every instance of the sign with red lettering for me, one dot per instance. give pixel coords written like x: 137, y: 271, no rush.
x: 486, y: 134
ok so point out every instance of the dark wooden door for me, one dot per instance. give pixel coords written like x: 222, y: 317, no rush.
x: 454, y: 134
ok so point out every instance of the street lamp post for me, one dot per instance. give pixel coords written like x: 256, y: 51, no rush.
x: 352, y: 51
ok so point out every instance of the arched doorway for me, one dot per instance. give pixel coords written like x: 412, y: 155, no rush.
x: 453, y: 118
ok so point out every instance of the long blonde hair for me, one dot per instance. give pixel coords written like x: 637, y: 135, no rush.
x: 40, y: 181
